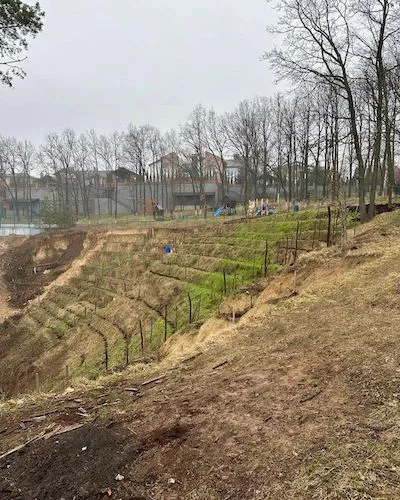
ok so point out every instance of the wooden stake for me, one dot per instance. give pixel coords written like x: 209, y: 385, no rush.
x: 297, y: 242
x: 287, y: 249
x: 165, y: 324
x: 265, y: 258
x: 328, y: 238
x: 224, y: 274
x: 190, y: 309
x: 141, y: 338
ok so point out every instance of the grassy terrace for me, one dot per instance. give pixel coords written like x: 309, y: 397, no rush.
x: 131, y: 296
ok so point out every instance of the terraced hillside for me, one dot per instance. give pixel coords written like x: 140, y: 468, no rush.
x: 123, y: 297
x: 299, y: 399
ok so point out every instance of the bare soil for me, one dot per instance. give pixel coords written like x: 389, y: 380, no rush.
x: 32, y: 265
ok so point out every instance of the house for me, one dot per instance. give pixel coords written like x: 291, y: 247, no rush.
x: 20, y: 179
x: 164, y: 168
x: 45, y: 181
x: 232, y: 168
x: 26, y: 207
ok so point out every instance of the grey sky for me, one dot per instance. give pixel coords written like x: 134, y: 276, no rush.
x: 105, y: 63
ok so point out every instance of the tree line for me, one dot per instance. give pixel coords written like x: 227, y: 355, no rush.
x: 334, y: 133
x: 349, y: 51
x: 299, y: 144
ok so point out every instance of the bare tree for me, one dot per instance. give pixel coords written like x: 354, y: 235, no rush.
x: 217, y: 144
x: 194, y: 140
x: 26, y: 153
x: 318, y: 43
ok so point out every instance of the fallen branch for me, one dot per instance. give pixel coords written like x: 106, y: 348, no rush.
x: 44, y: 414
x: 62, y: 430
x: 131, y: 389
x: 311, y: 396
x: 153, y: 380
x: 223, y: 363
x: 21, y: 446
x: 192, y: 357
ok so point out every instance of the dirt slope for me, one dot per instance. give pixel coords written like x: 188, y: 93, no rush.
x: 37, y: 261
x: 304, y: 402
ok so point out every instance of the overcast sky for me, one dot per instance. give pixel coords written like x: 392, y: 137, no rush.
x: 102, y: 64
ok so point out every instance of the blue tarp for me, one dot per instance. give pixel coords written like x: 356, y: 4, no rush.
x: 218, y: 211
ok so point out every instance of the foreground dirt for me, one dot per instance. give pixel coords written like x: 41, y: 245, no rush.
x: 299, y: 400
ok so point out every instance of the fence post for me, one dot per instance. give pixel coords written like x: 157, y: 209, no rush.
x: 190, y: 309
x: 287, y: 249
x: 328, y: 238
x: 224, y: 274
x: 265, y: 258
x: 297, y: 242
x: 165, y: 324
x: 141, y: 338
x: 105, y: 353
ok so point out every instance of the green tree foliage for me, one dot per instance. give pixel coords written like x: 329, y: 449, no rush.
x: 18, y: 21
x: 55, y: 214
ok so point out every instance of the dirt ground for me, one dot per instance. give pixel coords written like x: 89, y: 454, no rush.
x: 29, y: 265
x: 298, y: 400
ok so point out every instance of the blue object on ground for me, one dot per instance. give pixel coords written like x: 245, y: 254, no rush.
x: 167, y: 249
x: 218, y: 211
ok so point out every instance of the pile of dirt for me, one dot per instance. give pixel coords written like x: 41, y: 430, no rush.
x: 70, y: 466
x: 89, y: 462
x: 31, y: 266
